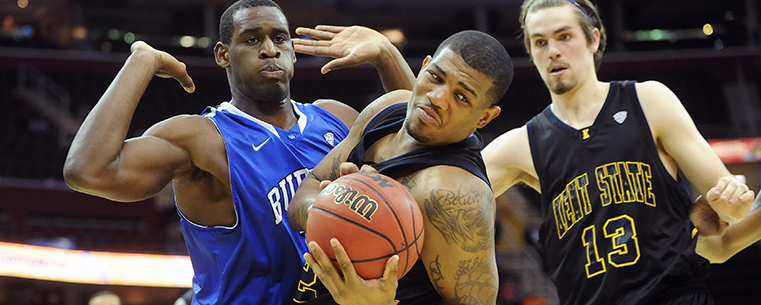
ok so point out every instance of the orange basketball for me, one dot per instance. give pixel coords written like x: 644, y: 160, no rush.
x: 374, y: 217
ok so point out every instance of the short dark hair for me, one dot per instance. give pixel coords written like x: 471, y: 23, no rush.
x: 586, y: 13
x: 486, y: 54
x: 226, y: 21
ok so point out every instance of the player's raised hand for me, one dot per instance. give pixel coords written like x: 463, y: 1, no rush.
x: 350, y: 46
x: 351, y: 288
x: 730, y: 198
x: 167, y: 66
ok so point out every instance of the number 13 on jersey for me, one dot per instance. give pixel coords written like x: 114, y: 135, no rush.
x: 624, y: 250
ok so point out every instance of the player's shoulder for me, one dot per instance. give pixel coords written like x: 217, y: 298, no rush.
x: 377, y: 106
x: 451, y: 178
x: 342, y: 111
x: 651, y: 90
x: 508, y: 143
x: 655, y: 96
x: 388, y: 99
x: 184, y: 128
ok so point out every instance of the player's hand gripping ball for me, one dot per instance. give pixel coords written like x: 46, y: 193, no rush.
x: 374, y: 217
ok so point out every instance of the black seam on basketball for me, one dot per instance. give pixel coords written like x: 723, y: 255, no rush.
x: 409, y: 245
x: 406, y: 248
x: 393, y: 212
x: 356, y: 224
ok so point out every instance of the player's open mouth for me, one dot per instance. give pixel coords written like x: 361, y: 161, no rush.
x: 557, y: 70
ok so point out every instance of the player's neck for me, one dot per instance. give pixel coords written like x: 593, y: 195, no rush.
x: 579, y: 107
x: 279, y: 114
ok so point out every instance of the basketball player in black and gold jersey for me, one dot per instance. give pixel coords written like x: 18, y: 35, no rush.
x: 605, y: 156
x: 426, y: 138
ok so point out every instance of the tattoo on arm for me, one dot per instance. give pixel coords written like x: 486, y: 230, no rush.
x: 334, y: 169
x: 408, y: 181
x: 303, y: 213
x: 363, y: 117
x: 435, y: 274
x: 459, y: 216
x: 475, y: 282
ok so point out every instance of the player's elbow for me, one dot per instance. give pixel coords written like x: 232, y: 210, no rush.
x: 294, y: 217
x: 74, y: 175
x: 716, y: 258
x: 81, y: 177
x: 714, y: 252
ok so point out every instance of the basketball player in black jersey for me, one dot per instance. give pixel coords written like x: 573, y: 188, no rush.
x: 426, y: 138
x: 605, y: 156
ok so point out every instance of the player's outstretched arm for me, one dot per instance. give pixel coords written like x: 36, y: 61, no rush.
x: 100, y: 161
x: 518, y: 168
x: 719, y: 248
x: 356, y: 45
x: 458, y: 252
x: 680, y: 141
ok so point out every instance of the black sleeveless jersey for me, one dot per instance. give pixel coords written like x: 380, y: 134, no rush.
x: 415, y: 287
x: 615, y: 225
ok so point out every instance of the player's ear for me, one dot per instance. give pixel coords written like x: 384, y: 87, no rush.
x: 488, y: 115
x: 426, y: 61
x: 222, y: 55
x: 293, y: 52
x: 595, y: 45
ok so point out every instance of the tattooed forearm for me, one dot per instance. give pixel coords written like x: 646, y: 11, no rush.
x: 303, y: 214
x: 476, y: 282
x: 364, y: 116
x: 335, y: 169
x: 462, y: 217
x: 435, y: 274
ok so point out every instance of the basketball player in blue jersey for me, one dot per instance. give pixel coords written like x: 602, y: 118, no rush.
x: 605, y: 156
x: 236, y: 167
x: 426, y: 139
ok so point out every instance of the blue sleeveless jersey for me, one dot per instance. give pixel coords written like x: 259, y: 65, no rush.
x: 257, y: 261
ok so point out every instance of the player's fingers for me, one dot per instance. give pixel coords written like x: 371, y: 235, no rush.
x: 724, y: 182
x: 137, y: 45
x: 318, y: 271
x: 367, y: 168
x: 176, y: 69
x: 340, y: 63
x: 180, y: 73
x: 188, y: 85
x: 347, y: 268
x: 346, y: 168
x: 389, y: 281
x: 307, y: 32
x: 316, y: 33
x: 713, y: 194
x: 748, y: 196
x: 184, y: 79
x: 324, y: 183
x: 326, y: 272
x: 729, y: 192
x: 330, y: 28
